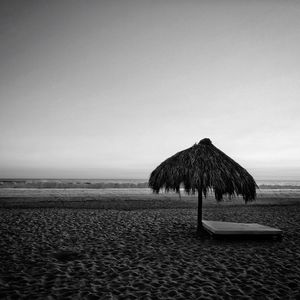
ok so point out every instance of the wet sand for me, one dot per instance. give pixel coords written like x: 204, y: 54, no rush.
x: 146, y: 254
x: 129, y: 198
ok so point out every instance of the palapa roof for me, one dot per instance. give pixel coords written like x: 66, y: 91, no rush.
x: 203, y: 167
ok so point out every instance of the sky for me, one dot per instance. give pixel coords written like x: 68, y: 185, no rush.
x: 110, y: 89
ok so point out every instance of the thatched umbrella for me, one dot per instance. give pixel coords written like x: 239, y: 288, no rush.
x: 200, y: 168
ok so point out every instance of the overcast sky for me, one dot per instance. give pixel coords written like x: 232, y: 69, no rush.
x: 109, y: 89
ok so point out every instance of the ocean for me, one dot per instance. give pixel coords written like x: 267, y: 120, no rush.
x: 117, y: 183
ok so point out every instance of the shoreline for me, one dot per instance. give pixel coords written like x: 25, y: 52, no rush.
x: 130, y: 199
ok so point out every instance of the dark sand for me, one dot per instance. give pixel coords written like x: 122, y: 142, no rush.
x: 76, y: 253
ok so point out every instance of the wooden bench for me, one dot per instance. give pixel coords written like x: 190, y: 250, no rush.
x: 224, y: 229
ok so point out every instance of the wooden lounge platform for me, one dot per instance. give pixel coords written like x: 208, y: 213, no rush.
x: 217, y: 228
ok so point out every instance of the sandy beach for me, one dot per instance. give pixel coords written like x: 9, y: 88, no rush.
x: 78, y: 253
x: 108, y: 108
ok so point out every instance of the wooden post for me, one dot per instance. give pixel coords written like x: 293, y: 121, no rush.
x: 199, y: 224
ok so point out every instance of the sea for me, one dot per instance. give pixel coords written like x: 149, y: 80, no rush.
x: 117, y: 183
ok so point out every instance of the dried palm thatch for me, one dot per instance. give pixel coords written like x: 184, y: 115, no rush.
x: 201, y: 168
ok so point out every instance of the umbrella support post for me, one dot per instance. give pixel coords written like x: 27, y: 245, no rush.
x: 199, y: 221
